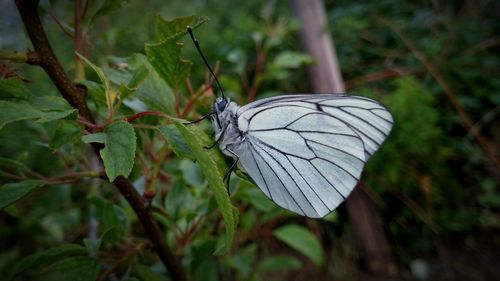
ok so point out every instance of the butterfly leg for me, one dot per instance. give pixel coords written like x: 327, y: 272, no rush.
x: 217, y: 141
x: 231, y: 169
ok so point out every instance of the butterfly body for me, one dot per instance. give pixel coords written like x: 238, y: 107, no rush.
x: 305, y: 152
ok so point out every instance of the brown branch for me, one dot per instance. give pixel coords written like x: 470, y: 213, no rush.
x: 76, y: 97
x: 48, y: 60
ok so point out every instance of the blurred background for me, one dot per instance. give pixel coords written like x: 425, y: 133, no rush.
x: 428, y: 206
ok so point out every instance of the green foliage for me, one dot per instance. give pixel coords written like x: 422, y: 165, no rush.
x: 74, y: 268
x: 46, y: 258
x: 19, y: 104
x: 10, y: 193
x: 430, y: 181
x: 140, y: 86
x: 165, y: 55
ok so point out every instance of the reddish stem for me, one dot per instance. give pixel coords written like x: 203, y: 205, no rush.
x: 145, y: 113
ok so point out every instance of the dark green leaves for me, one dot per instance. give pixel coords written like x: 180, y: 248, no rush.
x: 18, y: 104
x: 139, y: 85
x: 79, y: 268
x: 11, y: 192
x: 44, y: 258
x: 11, y: 111
x: 119, y: 148
x: 13, y: 88
x: 165, y: 55
x: 165, y: 58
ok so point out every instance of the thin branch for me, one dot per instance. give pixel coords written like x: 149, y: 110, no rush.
x: 145, y: 113
x: 15, y: 56
x: 78, y: 40
x: 61, y: 26
x: 483, y: 45
x: 76, y: 97
x: 488, y: 117
x: 128, y: 255
x: 380, y: 76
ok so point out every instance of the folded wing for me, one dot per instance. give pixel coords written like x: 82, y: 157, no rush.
x: 307, y: 152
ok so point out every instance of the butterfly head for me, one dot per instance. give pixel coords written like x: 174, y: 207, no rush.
x: 220, y: 104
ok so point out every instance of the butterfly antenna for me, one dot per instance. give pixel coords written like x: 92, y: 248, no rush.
x: 197, y: 45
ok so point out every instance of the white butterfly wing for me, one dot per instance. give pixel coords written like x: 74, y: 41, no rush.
x: 307, y: 152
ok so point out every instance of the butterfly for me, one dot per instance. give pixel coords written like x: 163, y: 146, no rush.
x: 305, y: 152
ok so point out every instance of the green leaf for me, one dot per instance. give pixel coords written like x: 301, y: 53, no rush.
x: 51, y: 103
x: 176, y: 141
x: 11, y: 111
x: 103, y: 78
x: 53, y: 115
x: 212, y: 165
x: 119, y: 148
x: 97, y: 137
x: 11, y: 192
x: 96, y: 92
x: 155, y: 93
x: 165, y: 58
x: 257, y: 198
x: 53, y: 108
x: 302, y: 240
x: 97, y: 70
x: 243, y: 261
x: 92, y: 245
x: 65, y: 131
x: 140, y: 74
x: 40, y: 259
x: 111, y: 220
x: 279, y: 263
x: 165, y: 55
x: 176, y: 28
x: 152, y: 90
x: 106, y: 8
x: 75, y: 269
x: 13, y: 164
x: 13, y: 88
x: 44, y: 109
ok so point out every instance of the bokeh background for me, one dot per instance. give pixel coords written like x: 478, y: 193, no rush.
x: 432, y: 189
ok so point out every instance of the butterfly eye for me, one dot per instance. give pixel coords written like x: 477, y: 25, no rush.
x: 221, y: 105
